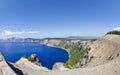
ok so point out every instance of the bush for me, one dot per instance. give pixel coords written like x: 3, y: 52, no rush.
x: 29, y: 59
x: 93, y: 40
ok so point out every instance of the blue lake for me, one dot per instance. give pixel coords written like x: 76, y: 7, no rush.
x: 13, y: 51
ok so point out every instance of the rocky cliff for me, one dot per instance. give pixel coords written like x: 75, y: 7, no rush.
x: 65, y: 44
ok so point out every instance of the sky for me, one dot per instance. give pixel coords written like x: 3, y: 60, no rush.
x: 58, y: 18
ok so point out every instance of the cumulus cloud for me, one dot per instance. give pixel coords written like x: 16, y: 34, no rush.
x: 117, y: 29
x: 8, y: 32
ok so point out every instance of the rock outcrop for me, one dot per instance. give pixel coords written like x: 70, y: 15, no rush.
x: 59, y: 66
x: 23, y: 62
x: 34, y: 59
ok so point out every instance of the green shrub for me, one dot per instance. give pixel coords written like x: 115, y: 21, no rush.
x: 93, y: 40
x: 30, y: 59
x: 89, y: 49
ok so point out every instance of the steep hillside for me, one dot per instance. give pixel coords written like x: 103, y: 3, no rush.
x: 104, y: 50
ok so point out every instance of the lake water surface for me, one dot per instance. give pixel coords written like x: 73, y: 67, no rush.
x: 13, y: 51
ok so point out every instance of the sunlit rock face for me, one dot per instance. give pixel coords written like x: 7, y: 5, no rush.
x: 104, y: 49
x: 59, y: 66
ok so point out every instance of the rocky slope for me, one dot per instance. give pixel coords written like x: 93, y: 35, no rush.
x: 104, y: 49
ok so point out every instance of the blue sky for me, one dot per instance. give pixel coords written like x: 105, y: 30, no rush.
x: 58, y: 18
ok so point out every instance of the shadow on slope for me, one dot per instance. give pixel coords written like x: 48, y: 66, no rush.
x: 16, y: 70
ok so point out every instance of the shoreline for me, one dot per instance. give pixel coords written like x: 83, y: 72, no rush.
x: 59, y: 48
x: 55, y: 47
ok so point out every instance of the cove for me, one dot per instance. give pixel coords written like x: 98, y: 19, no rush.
x: 13, y: 51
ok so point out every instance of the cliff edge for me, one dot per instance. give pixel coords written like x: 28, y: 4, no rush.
x: 5, y: 68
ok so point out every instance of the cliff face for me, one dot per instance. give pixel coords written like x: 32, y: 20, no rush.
x: 65, y: 44
x: 51, y: 42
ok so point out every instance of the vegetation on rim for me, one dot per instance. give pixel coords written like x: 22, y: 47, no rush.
x: 76, y: 54
x: 114, y: 32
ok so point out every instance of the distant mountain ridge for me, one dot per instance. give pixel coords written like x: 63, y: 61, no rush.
x: 82, y: 37
x: 16, y: 39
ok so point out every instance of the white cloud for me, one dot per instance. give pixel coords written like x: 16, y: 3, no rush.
x: 117, y: 29
x: 8, y: 32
